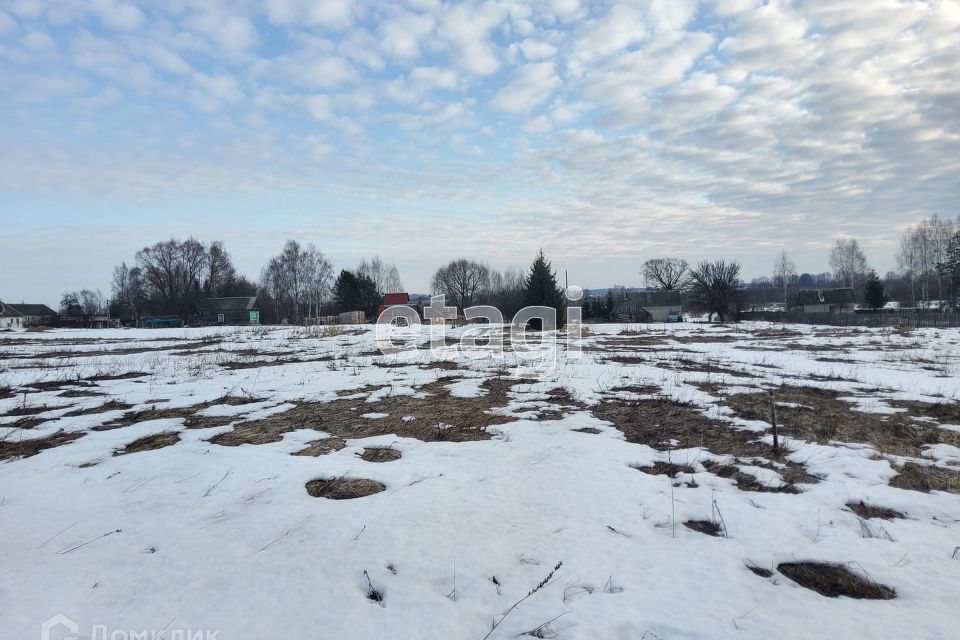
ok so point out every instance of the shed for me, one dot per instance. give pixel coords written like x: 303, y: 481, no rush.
x: 237, y: 311
x: 392, y: 300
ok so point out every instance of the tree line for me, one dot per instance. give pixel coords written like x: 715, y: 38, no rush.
x: 173, y: 277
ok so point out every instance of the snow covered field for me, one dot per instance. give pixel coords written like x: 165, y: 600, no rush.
x: 168, y: 480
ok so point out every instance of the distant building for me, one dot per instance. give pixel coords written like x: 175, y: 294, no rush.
x: 826, y: 300
x: 392, y: 300
x: 35, y: 315
x: 240, y: 311
x: 10, y: 318
x: 649, y: 306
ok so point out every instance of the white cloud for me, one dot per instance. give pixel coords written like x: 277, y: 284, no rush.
x: 330, y: 14
x: 532, y: 84
x: 467, y: 29
x: 537, y: 49
x: 118, y: 14
x: 402, y: 35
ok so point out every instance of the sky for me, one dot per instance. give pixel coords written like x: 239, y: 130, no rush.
x: 605, y: 133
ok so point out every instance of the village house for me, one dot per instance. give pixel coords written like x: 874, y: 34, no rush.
x: 10, y: 318
x: 649, y: 306
x: 826, y: 300
x: 237, y: 311
x: 35, y: 315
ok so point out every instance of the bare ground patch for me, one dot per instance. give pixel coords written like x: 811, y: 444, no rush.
x: 661, y: 468
x: 942, y: 412
x: 664, y: 424
x: 926, y: 478
x: 834, y: 580
x: 113, y: 405
x: 380, y: 454
x: 321, y: 447
x: 16, y: 448
x: 868, y: 511
x: 708, y: 527
x: 748, y: 481
x: 188, y: 414
x: 148, y: 443
x: 430, y: 415
x: 818, y: 415
x: 343, y: 488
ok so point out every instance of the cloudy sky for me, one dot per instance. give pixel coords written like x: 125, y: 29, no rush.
x: 605, y: 132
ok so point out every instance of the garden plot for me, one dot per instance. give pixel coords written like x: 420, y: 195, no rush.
x: 274, y: 482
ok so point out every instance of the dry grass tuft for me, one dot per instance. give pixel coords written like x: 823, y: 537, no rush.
x: 343, y: 488
x: 588, y: 430
x: 11, y: 448
x: 320, y: 447
x: 868, y: 511
x: 148, y: 443
x: 112, y: 405
x: 926, y: 478
x: 661, y: 468
x: 757, y: 570
x: 834, y: 580
x: 380, y: 454
x: 708, y: 527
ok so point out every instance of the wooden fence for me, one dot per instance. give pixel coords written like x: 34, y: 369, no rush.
x: 935, y: 319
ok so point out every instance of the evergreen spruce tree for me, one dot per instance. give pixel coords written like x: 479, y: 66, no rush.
x: 874, y: 294
x: 951, y: 266
x: 541, y: 289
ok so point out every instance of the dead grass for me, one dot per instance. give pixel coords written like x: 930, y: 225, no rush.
x: 748, y: 481
x: 27, y: 410
x: 187, y: 414
x: 343, y: 488
x: 112, y: 405
x: 704, y: 526
x: 868, y: 511
x: 587, y: 430
x: 321, y: 447
x: 665, y: 424
x: 80, y: 393
x: 926, y: 478
x: 661, y: 468
x: 15, y: 448
x: 942, y: 412
x: 820, y: 416
x: 432, y: 415
x: 834, y: 580
x: 380, y: 454
x: 151, y: 442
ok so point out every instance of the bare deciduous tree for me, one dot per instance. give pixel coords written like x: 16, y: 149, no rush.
x: 298, y: 280
x: 668, y: 274
x: 784, y: 270
x: 385, y: 276
x: 848, y: 262
x: 463, y: 282
x: 715, y: 287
